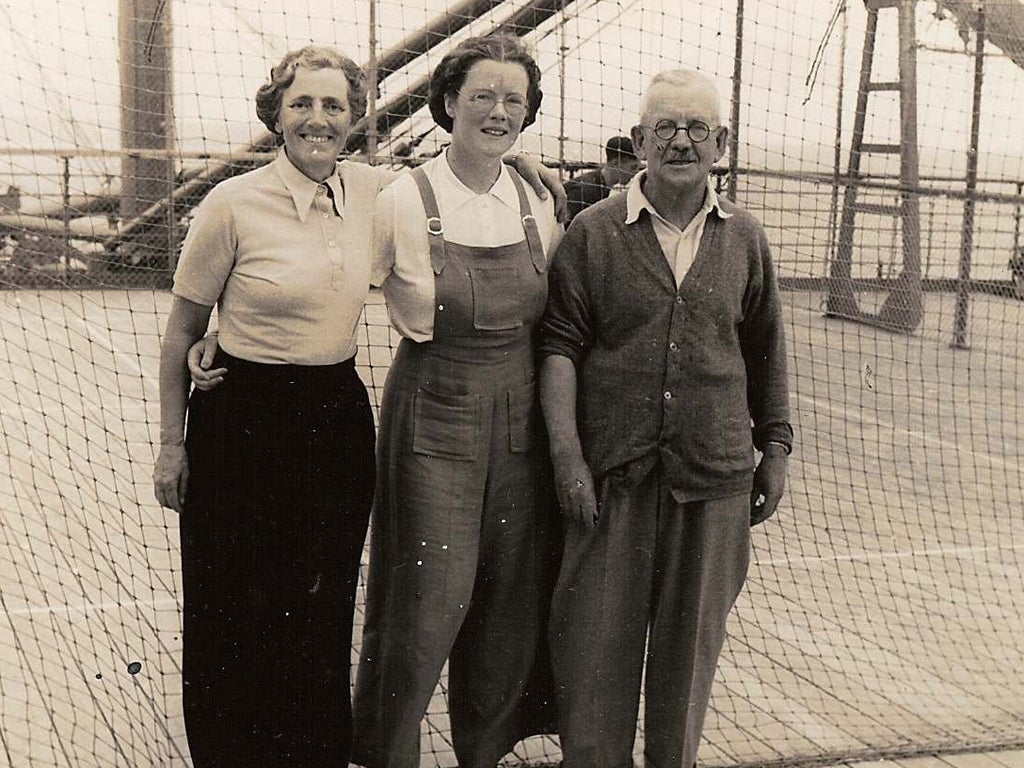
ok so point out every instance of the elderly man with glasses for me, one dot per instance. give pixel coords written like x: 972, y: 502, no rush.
x: 663, y: 375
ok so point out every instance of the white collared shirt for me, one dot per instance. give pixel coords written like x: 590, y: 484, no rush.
x: 679, y: 245
x: 401, y: 260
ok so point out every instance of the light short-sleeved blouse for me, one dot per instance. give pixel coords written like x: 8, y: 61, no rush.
x: 287, y: 266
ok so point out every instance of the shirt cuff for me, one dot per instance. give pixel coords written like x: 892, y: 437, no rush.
x: 774, y: 432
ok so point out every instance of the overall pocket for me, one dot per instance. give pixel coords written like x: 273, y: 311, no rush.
x: 497, y: 298
x: 446, y: 426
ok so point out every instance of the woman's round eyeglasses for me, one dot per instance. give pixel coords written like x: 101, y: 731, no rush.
x: 485, y: 101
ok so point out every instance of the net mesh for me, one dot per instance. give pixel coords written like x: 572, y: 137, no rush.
x: 882, y: 612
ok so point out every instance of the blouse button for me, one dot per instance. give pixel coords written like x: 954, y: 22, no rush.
x: 440, y: 307
x: 330, y: 243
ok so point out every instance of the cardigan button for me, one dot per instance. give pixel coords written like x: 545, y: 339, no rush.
x: 673, y: 346
x: 668, y: 395
x: 679, y: 299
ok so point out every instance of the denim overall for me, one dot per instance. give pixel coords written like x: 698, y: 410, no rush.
x: 460, y: 543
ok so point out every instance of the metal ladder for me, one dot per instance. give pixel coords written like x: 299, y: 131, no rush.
x: 902, y: 308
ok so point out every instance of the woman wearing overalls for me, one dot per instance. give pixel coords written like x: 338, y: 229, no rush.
x: 461, y: 528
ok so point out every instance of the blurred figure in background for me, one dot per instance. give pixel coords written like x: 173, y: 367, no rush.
x: 589, y: 187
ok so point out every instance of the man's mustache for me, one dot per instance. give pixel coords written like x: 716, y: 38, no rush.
x: 689, y: 157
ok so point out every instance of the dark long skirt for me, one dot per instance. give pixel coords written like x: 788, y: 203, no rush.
x: 282, y: 477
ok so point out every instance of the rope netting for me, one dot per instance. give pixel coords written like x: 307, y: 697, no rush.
x: 882, y: 612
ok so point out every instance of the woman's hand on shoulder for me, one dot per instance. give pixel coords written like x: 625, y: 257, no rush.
x: 543, y: 180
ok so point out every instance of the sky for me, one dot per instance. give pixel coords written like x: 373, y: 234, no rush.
x: 61, y: 91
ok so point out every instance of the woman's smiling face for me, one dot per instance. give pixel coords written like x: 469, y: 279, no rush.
x: 488, y: 112
x: 315, y: 120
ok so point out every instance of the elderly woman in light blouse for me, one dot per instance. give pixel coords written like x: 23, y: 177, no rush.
x: 460, y: 530
x: 275, y: 477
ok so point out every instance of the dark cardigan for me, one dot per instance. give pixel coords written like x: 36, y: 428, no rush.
x: 676, y: 375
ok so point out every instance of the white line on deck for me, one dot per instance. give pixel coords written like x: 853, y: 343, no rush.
x: 866, y: 556
x: 959, y: 447
x: 87, y: 608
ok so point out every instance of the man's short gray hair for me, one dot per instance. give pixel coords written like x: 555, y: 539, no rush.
x: 683, y: 77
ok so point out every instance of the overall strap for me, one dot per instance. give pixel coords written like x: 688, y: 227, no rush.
x: 435, y: 230
x: 529, y: 225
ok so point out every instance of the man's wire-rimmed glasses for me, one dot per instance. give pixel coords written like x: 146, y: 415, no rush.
x: 666, y: 130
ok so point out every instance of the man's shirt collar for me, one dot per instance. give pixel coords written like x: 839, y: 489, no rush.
x: 636, y: 201
x: 303, y: 189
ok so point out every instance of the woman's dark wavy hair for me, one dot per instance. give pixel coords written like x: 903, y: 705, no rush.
x: 269, y: 95
x: 447, y: 79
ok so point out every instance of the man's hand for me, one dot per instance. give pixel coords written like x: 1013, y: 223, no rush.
x: 170, y: 476
x: 769, y: 483
x: 200, y: 358
x: 574, y: 486
x: 543, y: 180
